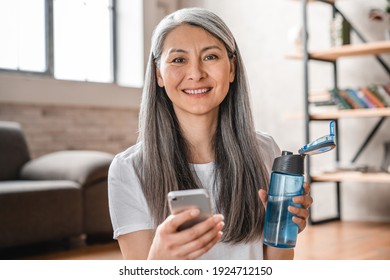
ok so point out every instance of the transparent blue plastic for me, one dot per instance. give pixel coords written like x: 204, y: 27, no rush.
x: 279, y: 229
x: 322, y: 144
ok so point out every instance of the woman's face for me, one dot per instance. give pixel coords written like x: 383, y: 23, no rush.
x: 195, y: 70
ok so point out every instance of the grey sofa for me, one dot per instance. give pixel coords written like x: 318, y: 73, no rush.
x: 57, y: 196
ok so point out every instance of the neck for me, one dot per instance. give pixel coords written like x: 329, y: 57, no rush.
x: 199, y: 132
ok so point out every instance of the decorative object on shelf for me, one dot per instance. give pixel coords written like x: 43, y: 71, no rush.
x: 295, y: 35
x: 386, y: 159
x: 340, y: 31
x: 376, y: 14
x: 380, y: 14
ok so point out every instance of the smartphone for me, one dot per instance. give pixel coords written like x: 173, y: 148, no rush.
x: 186, y: 199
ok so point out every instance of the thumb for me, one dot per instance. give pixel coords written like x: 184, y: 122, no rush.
x: 263, y: 197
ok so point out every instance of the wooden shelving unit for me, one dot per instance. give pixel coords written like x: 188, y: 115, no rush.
x: 332, y: 55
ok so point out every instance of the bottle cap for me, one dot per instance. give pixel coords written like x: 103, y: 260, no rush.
x: 289, y: 163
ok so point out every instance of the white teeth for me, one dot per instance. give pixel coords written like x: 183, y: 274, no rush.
x: 196, y: 91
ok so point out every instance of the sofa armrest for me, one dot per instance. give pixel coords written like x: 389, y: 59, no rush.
x: 83, y: 167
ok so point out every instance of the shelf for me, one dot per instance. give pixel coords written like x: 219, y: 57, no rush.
x: 324, y: 1
x: 351, y: 176
x: 373, y: 48
x: 351, y: 113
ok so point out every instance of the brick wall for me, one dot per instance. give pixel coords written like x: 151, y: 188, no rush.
x: 53, y: 128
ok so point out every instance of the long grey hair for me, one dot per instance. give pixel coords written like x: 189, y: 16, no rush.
x: 164, y: 163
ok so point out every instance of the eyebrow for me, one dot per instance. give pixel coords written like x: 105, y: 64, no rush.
x: 173, y: 50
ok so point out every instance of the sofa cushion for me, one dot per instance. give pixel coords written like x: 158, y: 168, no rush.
x: 84, y: 167
x: 36, y: 211
x: 13, y: 150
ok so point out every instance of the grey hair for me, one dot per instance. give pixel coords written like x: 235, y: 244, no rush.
x: 164, y: 164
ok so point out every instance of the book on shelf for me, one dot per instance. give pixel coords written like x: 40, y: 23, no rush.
x: 380, y: 94
x: 372, y: 97
x: 358, y: 98
x: 339, y: 100
x: 365, y: 97
x: 387, y: 88
x: 350, y: 97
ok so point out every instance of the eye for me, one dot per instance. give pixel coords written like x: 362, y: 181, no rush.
x: 178, y: 60
x: 211, y: 57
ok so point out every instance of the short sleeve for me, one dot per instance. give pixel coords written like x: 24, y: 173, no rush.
x: 269, y: 149
x: 127, y: 204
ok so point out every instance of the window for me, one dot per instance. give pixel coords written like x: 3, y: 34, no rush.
x: 130, y: 47
x: 22, y: 33
x: 83, y: 40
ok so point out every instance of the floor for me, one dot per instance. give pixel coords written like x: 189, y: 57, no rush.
x: 345, y: 241
x: 329, y: 241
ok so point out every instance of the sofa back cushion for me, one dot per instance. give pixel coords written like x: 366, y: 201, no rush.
x: 13, y: 150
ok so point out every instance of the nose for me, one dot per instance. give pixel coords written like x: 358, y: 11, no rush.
x: 196, y: 71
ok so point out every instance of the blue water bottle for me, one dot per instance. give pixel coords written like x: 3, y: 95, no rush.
x: 286, y: 182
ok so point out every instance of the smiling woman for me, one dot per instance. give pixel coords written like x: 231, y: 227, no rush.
x: 196, y: 131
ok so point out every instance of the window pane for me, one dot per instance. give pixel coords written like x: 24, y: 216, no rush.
x: 130, y: 46
x: 22, y: 33
x: 82, y: 40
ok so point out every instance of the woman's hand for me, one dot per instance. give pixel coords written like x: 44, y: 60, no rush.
x: 191, y: 243
x: 302, y: 213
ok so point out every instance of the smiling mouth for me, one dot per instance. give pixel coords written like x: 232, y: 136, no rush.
x: 197, y: 91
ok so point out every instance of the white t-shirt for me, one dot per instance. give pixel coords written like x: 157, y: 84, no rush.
x: 129, y: 211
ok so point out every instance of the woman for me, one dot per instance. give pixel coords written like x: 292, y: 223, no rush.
x: 196, y: 131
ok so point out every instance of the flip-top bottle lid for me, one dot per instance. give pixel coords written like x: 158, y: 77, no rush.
x: 289, y: 163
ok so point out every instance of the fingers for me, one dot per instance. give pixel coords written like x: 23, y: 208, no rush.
x: 306, y: 188
x: 305, y: 200
x: 202, y: 230
x: 206, y: 248
x: 300, y: 222
x: 302, y: 214
x: 173, y: 222
x: 189, y: 243
x: 204, y: 242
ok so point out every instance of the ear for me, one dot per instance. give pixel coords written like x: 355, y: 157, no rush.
x: 232, y: 73
x: 160, y: 80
